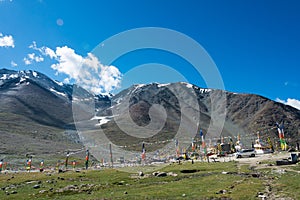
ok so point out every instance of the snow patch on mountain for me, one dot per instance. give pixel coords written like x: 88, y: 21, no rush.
x: 58, y: 83
x: 13, y: 76
x: 102, y: 119
x: 4, y: 77
x: 139, y: 86
x: 136, y: 87
x: 205, y: 90
x: 59, y: 93
x: 202, y: 90
x: 188, y: 85
x: 34, y: 74
x: 23, y: 79
x: 163, y: 85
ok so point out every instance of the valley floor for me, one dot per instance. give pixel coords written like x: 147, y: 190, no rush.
x: 245, y: 178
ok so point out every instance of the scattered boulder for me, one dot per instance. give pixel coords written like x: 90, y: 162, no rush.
x: 32, y: 182
x: 255, y: 175
x: 141, y: 173
x: 161, y: 174
x: 262, y: 196
x: 14, y: 192
x: 155, y: 173
x: 121, y: 183
x: 50, y: 181
x: 61, y: 171
x: 42, y: 191
x: 172, y: 174
x: 222, y: 192
x: 36, y: 186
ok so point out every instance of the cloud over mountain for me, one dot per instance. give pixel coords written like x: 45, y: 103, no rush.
x: 291, y: 102
x: 88, y: 71
x: 31, y: 57
x: 6, y: 41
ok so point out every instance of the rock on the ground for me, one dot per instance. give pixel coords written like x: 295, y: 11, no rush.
x: 36, y: 186
x: 42, y: 191
x: 141, y: 173
x: 161, y: 174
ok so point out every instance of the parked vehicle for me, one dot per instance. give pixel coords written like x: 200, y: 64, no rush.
x: 245, y: 153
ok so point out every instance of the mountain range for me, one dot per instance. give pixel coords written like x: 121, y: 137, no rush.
x: 44, y: 117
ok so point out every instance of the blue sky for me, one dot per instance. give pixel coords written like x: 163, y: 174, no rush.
x: 254, y: 44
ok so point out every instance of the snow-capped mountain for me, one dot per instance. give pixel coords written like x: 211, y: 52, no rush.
x: 36, y: 111
x: 14, y: 79
x: 177, y: 105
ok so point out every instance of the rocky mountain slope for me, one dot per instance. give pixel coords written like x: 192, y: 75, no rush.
x: 36, y: 115
x: 183, y: 109
x: 42, y: 116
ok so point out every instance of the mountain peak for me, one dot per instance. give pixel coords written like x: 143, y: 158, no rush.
x: 30, y: 97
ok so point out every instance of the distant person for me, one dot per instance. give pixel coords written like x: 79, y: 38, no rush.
x: 29, y: 161
x: 1, y: 165
x: 28, y: 164
x: 67, y: 160
x: 87, y: 157
x: 74, y: 164
x: 42, y: 166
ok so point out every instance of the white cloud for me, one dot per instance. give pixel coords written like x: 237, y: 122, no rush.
x: 46, y: 51
x: 291, y: 102
x: 27, y: 61
x: 86, y: 72
x: 49, y: 52
x: 6, y: 41
x: 33, y: 46
x: 31, y: 57
x: 38, y: 59
x: 68, y: 62
x: 13, y: 64
x: 66, y: 80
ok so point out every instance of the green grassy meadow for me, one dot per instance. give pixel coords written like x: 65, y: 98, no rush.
x: 193, y: 181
